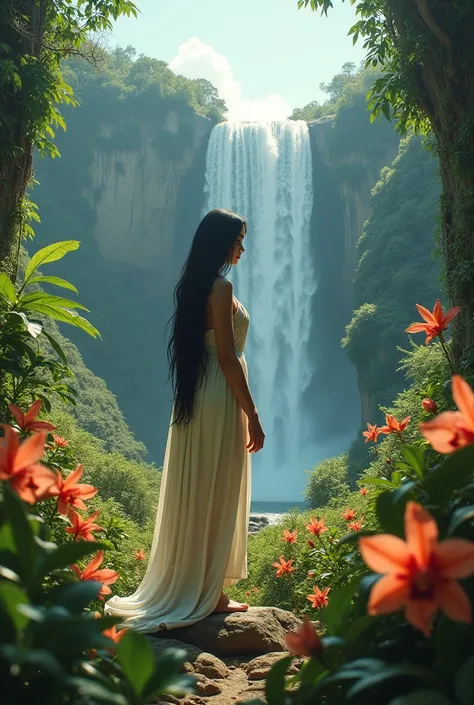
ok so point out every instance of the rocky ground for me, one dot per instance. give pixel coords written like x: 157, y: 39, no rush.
x: 230, y: 655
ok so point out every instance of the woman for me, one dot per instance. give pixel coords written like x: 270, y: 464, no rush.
x: 200, y: 540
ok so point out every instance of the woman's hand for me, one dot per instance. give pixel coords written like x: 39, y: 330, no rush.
x: 257, y: 436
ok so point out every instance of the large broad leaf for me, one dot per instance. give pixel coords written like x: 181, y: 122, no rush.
x: 391, y: 508
x: 460, y: 516
x: 275, y: 683
x: 382, y: 677
x: 77, y: 597
x: 57, y: 281
x: 452, y: 474
x: 56, y: 347
x: 6, y: 288
x: 64, y: 555
x: 22, y: 533
x: 415, y: 459
x: 48, y: 300
x: 167, y: 677
x: 65, y: 316
x: 11, y: 596
x: 464, y: 682
x: 51, y: 253
x: 339, y: 605
x: 93, y: 692
x: 39, y: 658
x: 422, y: 697
x: 136, y: 658
x: 379, y: 482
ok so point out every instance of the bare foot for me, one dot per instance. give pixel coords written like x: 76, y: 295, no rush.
x: 226, y: 605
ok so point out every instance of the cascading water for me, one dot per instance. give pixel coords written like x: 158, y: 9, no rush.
x: 264, y: 172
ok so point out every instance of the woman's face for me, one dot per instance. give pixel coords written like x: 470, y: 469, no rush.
x: 238, y: 248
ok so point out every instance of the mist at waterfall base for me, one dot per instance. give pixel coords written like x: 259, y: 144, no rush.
x: 263, y: 171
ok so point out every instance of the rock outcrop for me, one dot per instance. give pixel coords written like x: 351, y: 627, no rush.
x: 230, y: 655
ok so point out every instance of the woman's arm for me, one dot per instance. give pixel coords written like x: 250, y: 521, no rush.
x: 221, y: 301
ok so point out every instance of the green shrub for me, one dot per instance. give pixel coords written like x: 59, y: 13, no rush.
x: 328, y: 479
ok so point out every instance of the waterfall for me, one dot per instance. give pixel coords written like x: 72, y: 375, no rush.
x: 263, y: 171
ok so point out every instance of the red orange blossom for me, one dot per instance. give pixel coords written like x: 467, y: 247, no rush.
x: 105, y: 576
x: 349, y: 514
x: 319, y: 598
x: 82, y: 527
x: 27, y: 422
x: 419, y: 574
x: 317, y: 526
x: 306, y: 641
x: 284, y: 567
x: 72, y: 494
x: 372, y: 433
x: 394, y: 426
x: 19, y: 464
x: 452, y: 430
x: 435, y: 321
x: 289, y: 536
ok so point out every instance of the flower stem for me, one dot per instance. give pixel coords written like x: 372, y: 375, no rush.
x: 446, y: 353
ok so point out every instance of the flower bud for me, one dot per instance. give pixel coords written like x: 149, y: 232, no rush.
x: 310, y: 543
x: 429, y: 405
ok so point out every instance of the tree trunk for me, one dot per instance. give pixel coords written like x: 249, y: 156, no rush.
x: 22, y: 24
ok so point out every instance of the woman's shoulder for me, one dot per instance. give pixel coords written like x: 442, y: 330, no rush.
x: 222, y: 287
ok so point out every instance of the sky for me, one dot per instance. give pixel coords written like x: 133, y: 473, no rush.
x: 266, y: 57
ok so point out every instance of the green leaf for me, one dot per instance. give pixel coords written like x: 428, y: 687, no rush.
x: 464, y: 682
x: 48, y: 300
x: 57, y: 281
x: 136, y: 657
x: 64, y: 555
x: 6, y: 288
x: 65, y: 317
x: 415, y: 459
x: 32, y: 657
x: 48, y: 254
x: 10, y: 597
x: 92, y: 692
x: 77, y: 597
x: 379, y: 482
x: 459, y: 517
x: 339, y: 605
x: 167, y: 677
x: 22, y: 533
x: 384, y: 674
x: 391, y: 508
x: 450, y: 475
x: 275, y: 683
x: 56, y: 347
x: 422, y: 697
x: 358, y: 628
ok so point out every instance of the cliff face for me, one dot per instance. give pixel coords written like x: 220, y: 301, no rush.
x: 344, y: 173
x: 132, y: 194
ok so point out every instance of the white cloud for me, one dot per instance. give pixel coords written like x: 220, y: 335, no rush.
x: 195, y: 59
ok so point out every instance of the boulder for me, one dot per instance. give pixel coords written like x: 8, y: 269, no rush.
x: 260, y: 630
x: 206, y: 687
x: 198, y: 661
x: 259, y: 668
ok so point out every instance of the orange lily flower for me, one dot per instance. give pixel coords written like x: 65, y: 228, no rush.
x: 113, y: 634
x: 452, y: 430
x: 255, y: 589
x: 363, y: 491
x: 319, y: 597
x: 306, y: 641
x: 349, y: 514
x: 355, y: 526
x: 420, y: 573
x: 70, y: 494
x: 140, y: 555
x: 284, y: 567
x: 289, y: 536
x: 60, y: 442
x: 19, y: 464
x: 372, y: 433
x: 83, y: 527
x: 104, y: 576
x: 436, y: 321
x: 317, y: 526
x: 394, y: 426
x: 27, y: 421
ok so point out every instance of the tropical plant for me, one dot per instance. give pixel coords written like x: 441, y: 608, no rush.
x: 426, y: 56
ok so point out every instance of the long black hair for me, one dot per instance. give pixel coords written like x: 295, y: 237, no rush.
x: 209, y: 257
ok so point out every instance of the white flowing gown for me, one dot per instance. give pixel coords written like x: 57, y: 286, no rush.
x: 200, y: 539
